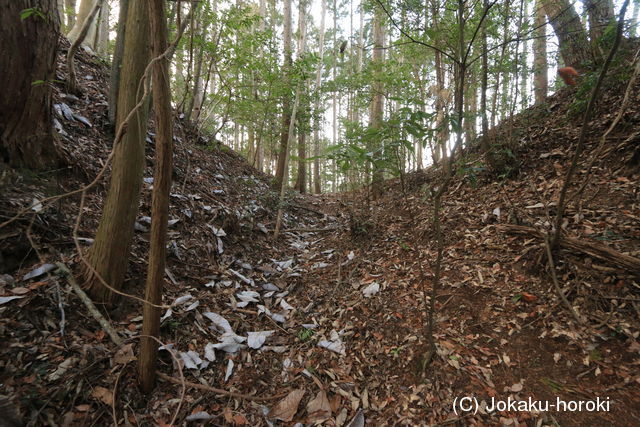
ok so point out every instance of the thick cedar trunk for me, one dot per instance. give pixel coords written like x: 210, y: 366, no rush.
x: 377, y: 103
x: 28, y: 50
x: 574, y: 46
x: 110, y: 251
x: 116, y: 63
x: 286, y: 102
x: 540, y: 78
x: 161, y: 190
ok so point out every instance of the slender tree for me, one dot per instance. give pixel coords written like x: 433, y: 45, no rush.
x: 70, y: 8
x: 161, y: 190
x: 280, y: 177
x: 316, y: 132
x: 109, y: 254
x: 540, y: 66
x: 377, y: 102
x: 116, y: 62
x: 301, y: 180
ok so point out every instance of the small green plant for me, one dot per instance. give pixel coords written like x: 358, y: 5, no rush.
x: 395, y: 352
x: 553, y: 385
x: 595, y: 355
x: 174, y: 325
x: 305, y: 335
x: 32, y: 11
x: 404, y: 246
x: 470, y: 173
x: 579, y: 104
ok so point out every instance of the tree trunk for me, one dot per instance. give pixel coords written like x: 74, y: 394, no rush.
x: 85, y: 9
x: 601, y: 14
x: 70, y: 8
x: 116, y: 63
x: 28, y: 48
x: 101, y: 44
x: 377, y: 102
x: 286, y: 101
x: 540, y: 66
x: 61, y: 13
x: 110, y: 251
x: 160, y: 202
x: 72, y: 82
x: 485, y: 143
x: 318, y: 125
x: 301, y: 180
x: 471, y: 106
x: 574, y: 46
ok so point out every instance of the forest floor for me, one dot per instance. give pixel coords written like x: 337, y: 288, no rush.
x: 326, y: 324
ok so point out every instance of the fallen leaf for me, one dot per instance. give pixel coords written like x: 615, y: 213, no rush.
x: 286, y: 409
x: 103, y: 394
x: 124, y: 355
x: 318, y: 408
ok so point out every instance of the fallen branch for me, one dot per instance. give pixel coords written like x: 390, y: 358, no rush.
x: 592, y: 249
x: 556, y: 284
x: 218, y: 390
x: 90, y: 306
x: 311, y: 230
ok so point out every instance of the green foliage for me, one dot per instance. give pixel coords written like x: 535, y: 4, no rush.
x: 583, y: 93
x: 305, y: 335
x: 505, y: 163
x: 470, y: 173
x: 32, y: 11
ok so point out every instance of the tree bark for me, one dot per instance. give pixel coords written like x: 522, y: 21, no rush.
x: 85, y: 9
x: 116, y: 63
x: 316, y: 132
x: 70, y: 7
x: 485, y: 142
x: 160, y: 201
x: 28, y: 48
x: 72, y: 82
x: 540, y: 66
x: 110, y: 251
x: 301, y: 180
x: 286, y: 101
x: 574, y: 46
x: 101, y: 43
x: 601, y: 14
x: 377, y: 102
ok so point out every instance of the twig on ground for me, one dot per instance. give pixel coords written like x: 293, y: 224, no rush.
x: 554, y: 278
x: 106, y: 326
x: 220, y: 391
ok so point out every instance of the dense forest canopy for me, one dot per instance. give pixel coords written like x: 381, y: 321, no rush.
x: 231, y: 78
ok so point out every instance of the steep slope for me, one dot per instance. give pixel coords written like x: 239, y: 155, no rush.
x: 501, y: 330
